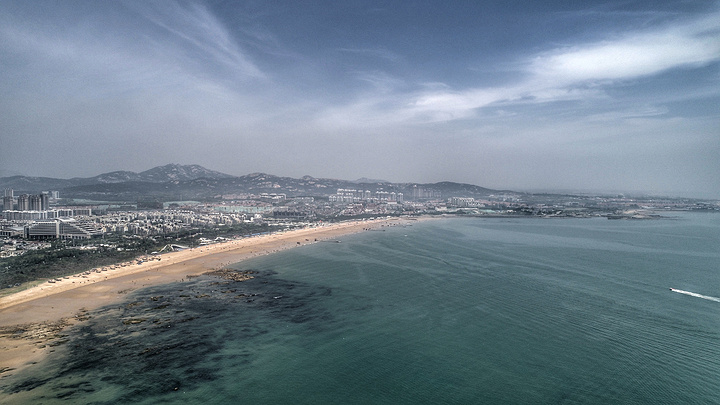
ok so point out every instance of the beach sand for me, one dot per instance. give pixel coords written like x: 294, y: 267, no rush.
x: 32, y: 321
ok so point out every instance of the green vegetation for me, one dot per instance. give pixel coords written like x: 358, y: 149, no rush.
x: 64, y: 258
x: 57, y: 261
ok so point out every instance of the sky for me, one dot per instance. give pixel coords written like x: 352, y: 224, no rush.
x: 605, y: 96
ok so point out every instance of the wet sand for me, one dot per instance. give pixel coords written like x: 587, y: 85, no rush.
x: 32, y: 321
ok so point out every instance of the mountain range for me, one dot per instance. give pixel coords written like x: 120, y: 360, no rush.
x: 178, y: 182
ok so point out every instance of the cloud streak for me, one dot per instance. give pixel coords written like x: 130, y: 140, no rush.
x: 578, y: 72
x: 185, y: 48
x: 195, y: 25
x: 634, y: 55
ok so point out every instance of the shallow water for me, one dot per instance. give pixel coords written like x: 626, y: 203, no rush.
x: 444, y: 311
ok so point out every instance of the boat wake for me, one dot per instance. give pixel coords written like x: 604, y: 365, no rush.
x: 705, y: 297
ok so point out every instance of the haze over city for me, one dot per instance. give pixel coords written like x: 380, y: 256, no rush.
x: 595, y: 96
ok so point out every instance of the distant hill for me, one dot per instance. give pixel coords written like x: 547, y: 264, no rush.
x: 28, y: 184
x: 9, y: 173
x: 175, y: 172
x: 173, y: 182
x: 114, y: 177
x: 366, y: 180
x: 160, y: 174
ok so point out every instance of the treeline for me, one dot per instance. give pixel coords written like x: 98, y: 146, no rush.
x: 57, y: 261
x: 64, y: 258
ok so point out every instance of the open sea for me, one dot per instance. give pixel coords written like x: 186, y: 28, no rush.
x: 446, y: 311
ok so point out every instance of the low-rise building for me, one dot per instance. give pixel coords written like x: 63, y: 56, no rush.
x: 61, y: 229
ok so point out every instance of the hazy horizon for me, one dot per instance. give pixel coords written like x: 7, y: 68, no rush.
x: 609, y: 95
x: 627, y: 193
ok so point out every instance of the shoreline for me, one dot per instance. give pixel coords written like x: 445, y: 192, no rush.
x: 32, y: 320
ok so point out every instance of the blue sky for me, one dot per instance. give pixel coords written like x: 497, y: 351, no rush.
x: 553, y: 95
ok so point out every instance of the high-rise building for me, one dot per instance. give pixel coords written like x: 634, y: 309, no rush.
x: 32, y: 202
x: 23, y: 202
x: 8, y: 192
x: 36, y: 202
x: 44, y: 201
x: 8, y: 203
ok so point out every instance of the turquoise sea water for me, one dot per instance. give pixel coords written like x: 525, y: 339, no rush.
x: 448, y: 311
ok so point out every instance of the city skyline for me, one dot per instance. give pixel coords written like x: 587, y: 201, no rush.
x: 608, y: 96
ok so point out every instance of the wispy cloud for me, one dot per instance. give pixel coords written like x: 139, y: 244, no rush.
x: 633, y: 55
x: 577, y: 72
x: 197, y: 26
x: 197, y: 52
x: 380, y: 81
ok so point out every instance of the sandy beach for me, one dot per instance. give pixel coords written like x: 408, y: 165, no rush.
x: 32, y: 320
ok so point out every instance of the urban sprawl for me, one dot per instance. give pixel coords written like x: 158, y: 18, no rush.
x: 29, y: 221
